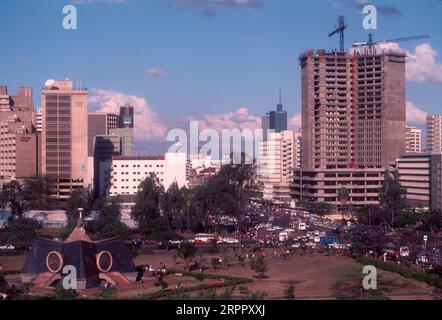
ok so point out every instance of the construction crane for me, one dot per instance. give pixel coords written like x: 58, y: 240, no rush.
x: 340, y: 30
x: 371, y: 43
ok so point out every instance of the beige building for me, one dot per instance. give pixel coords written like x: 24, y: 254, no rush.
x: 322, y: 185
x: 279, y: 155
x: 19, y: 141
x: 421, y: 176
x: 65, y: 136
x: 353, y: 108
x: 353, y: 122
x: 413, y: 137
x: 434, y: 133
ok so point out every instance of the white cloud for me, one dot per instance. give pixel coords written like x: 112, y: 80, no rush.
x: 422, y: 64
x: 415, y: 116
x: 156, y: 72
x: 240, y: 118
x: 147, y: 124
x: 295, y: 122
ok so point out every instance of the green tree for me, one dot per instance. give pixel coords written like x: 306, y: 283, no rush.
x: 113, y: 229
x: 63, y: 294
x: 391, y: 195
x: 319, y: 208
x: 146, y: 210
x: 343, y: 197
x: 3, y: 282
x: 259, y: 265
x: 21, y: 230
x: 80, y: 198
x: 105, y: 294
x: 289, y: 293
x: 174, y: 206
x: 187, y: 253
x: 11, y: 196
x: 37, y: 192
x: 110, y: 210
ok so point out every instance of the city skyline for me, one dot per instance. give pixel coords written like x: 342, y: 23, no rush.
x: 219, y: 64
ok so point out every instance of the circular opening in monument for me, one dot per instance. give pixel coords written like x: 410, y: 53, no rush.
x: 54, y: 261
x: 104, y: 261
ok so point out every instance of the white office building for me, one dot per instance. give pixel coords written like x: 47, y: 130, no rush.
x: 123, y: 174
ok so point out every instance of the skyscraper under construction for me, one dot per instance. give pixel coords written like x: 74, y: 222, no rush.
x: 353, y: 108
x: 353, y: 123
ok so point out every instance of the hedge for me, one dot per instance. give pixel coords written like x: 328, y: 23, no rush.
x: 429, y: 278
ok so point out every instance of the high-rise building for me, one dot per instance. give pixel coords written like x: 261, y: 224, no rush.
x: 276, y: 119
x: 19, y: 141
x: 353, y: 123
x: 126, y: 117
x: 353, y: 108
x: 420, y: 174
x: 413, y: 137
x: 38, y: 120
x: 65, y: 136
x: 278, y: 156
x: 434, y: 133
x: 21, y: 102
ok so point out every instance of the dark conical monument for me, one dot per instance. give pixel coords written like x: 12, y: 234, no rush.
x: 94, y: 261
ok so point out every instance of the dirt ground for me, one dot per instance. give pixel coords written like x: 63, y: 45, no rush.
x: 312, y: 275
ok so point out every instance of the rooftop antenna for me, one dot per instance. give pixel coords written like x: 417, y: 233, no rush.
x: 279, y: 106
x: 340, y: 29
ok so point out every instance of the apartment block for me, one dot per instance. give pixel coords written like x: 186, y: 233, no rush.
x: 434, y: 133
x: 19, y: 141
x: 413, y: 138
x: 278, y: 157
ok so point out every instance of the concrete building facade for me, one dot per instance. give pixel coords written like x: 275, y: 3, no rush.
x: 65, y: 137
x: 353, y: 122
x: 19, y: 141
x: 278, y: 157
x: 413, y: 138
x: 353, y: 108
x: 323, y: 185
x: 123, y: 174
x: 434, y: 133
x: 420, y: 174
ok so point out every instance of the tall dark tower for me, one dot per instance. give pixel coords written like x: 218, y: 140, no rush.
x: 278, y: 118
x: 126, y: 117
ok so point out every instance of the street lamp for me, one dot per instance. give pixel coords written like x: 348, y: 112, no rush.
x: 425, y: 244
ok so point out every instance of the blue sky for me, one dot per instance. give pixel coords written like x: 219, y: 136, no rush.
x: 209, y: 56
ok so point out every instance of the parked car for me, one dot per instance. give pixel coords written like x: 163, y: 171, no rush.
x: 137, y: 241
x: 7, y: 247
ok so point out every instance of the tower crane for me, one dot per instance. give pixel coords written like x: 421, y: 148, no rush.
x: 370, y: 43
x: 342, y: 26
